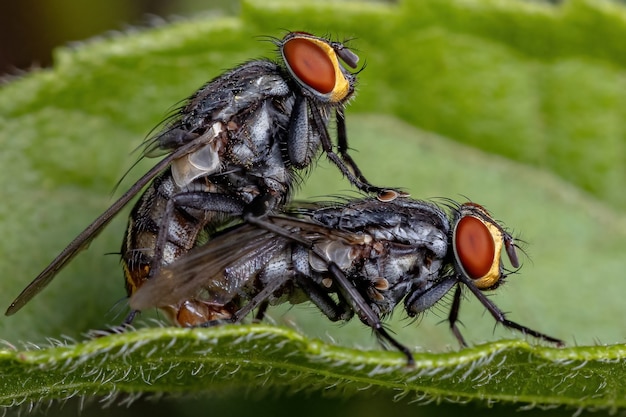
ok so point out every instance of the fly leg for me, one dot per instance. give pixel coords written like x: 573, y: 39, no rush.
x: 364, y: 311
x: 500, y: 317
x: 342, y: 145
x: 129, y: 318
x: 307, y: 127
x: 323, y: 301
x: 193, y: 200
x: 346, y: 165
x: 261, y: 300
x: 260, y: 314
x: 344, y: 161
x: 454, y: 316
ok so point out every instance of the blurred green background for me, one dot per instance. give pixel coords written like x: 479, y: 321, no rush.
x: 30, y: 29
x: 446, y: 63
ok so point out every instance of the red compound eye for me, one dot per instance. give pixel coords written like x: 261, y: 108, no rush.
x: 310, y: 63
x: 474, y: 245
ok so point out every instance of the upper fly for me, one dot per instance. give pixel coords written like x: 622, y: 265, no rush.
x: 234, y: 151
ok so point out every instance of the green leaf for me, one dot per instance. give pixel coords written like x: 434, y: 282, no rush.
x: 229, y: 357
x: 458, y: 72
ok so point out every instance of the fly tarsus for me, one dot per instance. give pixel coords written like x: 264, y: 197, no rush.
x: 500, y: 317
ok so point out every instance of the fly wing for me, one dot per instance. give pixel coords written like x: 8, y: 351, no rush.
x: 83, y: 240
x: 229, y: 261
x: 220, y: 268
x: 314, y: 231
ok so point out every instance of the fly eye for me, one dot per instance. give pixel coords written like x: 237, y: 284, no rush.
x: 310, y: 63
x: 474, y: 247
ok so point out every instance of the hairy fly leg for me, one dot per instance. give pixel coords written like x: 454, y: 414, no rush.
x: 345, y: 163
x: 208, y: 202
x: 500, y: 317
x: 342, y: 145
x: 365, y: 312
x: 453, y: 316
x: 425, y: 296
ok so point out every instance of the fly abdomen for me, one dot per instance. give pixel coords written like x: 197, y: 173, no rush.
x: 145, y: 223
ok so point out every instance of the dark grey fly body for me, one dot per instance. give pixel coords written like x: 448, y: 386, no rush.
x: 360, y: 257
x: 234, y: 152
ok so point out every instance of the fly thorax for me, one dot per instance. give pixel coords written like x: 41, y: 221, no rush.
x: 265, y: 86
x: 254, y: 141
x: 274, y: 172
x: 270, y: 84
x: 256, y: 89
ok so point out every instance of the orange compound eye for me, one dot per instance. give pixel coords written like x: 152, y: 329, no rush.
x: 311, y: 64
x: 474, y: 247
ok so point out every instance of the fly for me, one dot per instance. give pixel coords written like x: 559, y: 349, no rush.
x: 235, y: 150
x: 361, y: 257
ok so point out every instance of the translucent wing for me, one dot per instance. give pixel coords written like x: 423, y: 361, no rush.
x: 83, y: 240
x: 227, y: 262
x: 220, y: 267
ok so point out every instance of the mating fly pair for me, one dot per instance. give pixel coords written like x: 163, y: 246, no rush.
x: 234, y: 152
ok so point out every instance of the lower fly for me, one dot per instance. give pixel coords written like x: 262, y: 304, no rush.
x: 359, y: 257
